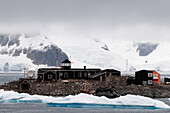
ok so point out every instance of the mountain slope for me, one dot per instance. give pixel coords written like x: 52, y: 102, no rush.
x: 28, y: 51
x: 32, y: 50
x: 121, y: 55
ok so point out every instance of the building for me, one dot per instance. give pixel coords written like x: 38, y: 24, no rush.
x: 24, y: 84
x: 102, y: 75
x: 131, y: 80
x: 147, y: 77
x: 167, y: 80
x: 66, y: 72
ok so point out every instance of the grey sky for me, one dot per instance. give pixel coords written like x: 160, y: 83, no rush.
x: 124, y: 19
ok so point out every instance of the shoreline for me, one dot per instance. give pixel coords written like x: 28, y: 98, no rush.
x: 113, y: 88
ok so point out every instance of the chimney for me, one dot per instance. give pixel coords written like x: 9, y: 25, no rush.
x: 84, y: 67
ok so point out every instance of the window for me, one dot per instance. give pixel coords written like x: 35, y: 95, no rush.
x: 144, y: 82
x: 61, y: 74
x: 50, y: 76
x: 149, y: 81
x: 85, y: 74
x: 155, y: 76
x: 80, y: 75
x: 66, y: 75
x: 66, y: 64
x: 149, y: 74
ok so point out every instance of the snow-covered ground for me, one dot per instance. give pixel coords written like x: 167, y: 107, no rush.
x: 14, y: 97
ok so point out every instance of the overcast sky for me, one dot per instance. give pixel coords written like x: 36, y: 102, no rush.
x: 79, y: 19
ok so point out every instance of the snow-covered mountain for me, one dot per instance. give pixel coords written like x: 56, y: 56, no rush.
x: 122, y: 55
x: 27, y: 51
x: 23, y: 50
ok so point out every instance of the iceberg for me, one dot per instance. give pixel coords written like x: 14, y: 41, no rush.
x: 84, y: 101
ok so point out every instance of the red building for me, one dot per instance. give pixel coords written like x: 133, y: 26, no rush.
x: 145, y: 77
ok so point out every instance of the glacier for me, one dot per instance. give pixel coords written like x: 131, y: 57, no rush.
x: 122, y: 55
x: 81, y: 100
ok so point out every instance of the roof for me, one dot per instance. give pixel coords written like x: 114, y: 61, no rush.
x: 95, y: 69
x: 73, y: 69
x: 96, y: 74
x: 66, y: 61
x: 145, y: 71
x: 111, y: 70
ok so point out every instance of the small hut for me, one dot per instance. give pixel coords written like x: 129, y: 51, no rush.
x: 25, y: 85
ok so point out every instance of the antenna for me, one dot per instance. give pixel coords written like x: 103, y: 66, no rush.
x: 57, y: 57
x: 126, y: 64
x: 126, y: 67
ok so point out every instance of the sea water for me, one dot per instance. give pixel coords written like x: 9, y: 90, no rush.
x: 8, y: 77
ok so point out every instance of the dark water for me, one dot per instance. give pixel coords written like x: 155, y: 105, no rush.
x: 43, y: 108
x: 4, y: 78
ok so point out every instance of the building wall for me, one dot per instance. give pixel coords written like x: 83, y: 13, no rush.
x: 156, y: 80
x: 142, y: 76
x: 65, y: 74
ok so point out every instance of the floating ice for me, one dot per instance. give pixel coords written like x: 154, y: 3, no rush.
x: 82, y: 100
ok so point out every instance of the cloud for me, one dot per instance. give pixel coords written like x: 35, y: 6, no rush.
x: 109, y: 19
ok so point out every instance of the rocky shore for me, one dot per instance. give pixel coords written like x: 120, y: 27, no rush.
x: 111, y: 88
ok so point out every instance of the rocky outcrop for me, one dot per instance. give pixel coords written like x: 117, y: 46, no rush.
x: 146, y: 48
x: 46, y: 57
x: 42, y: 52
x: 111, y: 88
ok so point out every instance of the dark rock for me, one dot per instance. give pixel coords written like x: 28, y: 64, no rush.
x: 46, y: 57
x: 25, y: 51
x: 4, y: 39
x: 71, y: 88
x: 4, y: 52
x: 105, y: 47
x: 146, y: 48
x: 14, y: 39
x: 17, y: 52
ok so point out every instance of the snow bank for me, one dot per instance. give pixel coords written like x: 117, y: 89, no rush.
x: 14, y: 97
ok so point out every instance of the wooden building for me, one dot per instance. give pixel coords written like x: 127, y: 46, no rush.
x: 131, y: 80
x: 102, y: 75
x: 24, y: 84
x: 66, y: 72
x: 147, y: 77
x: 167, y: 80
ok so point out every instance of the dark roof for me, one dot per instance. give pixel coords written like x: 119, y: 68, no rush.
x: 111, y: 70
x: 66, y: 61
x: 95, y: 69
x: 96, y: 74
x: 77, y: 69
x: 144, y: 70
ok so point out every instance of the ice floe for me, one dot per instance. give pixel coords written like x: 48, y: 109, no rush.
x: 128, y: 100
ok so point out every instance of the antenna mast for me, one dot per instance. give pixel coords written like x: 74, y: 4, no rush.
x: 57, y: 57
x: 126, y: 64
